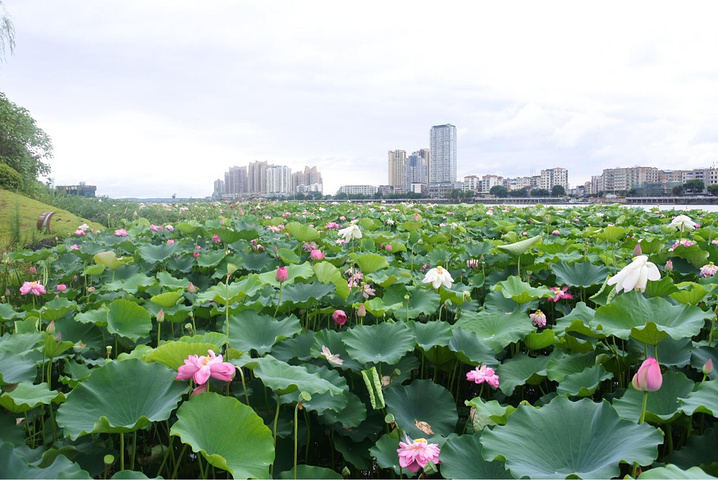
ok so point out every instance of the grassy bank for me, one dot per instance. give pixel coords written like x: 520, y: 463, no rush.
x: 18, y: 221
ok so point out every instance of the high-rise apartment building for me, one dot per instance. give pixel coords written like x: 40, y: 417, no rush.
x: 279, y: 180
x: 218, y: 190
x: 414, y: 174
x: 257, y: 177
x: 397, y: 159
x: 235, y: 182
x: 624, y: 179
x: 443, y: 162
x: 309, y: 180
x: 552, y: 177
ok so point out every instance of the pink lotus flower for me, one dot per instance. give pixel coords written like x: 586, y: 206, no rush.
x: 361, y: 311
x: 170, y: 241
x: 388, y: 247
x: 708, y: 270
x: 367, y: 291
x: 682, y: 243
x: 155, y: 228
x: 316, y: 255
x: 331, y: 225
x: 339, y: 317
x: 74, y: 247
x: 36, y: 288
x: 201, y: 368
x: 331, y: 358
x: 415, y: 455
x: 195, y: 254
x: 61, y: 287
x: 555, y: 232
x: 79, y: 233
x: 282, y: 274
x: 32, y: 270
x: 669, y: 266
x: 216, y: 239
x: 560, y: 293
x: 538, y: 318
x: 170, y: 228
x: 121, y: 232
x: 648, y: 378
x: 483, y: 374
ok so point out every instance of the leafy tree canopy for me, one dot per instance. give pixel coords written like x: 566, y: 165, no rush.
x: 23, y: 145
x: 499, y: 191
x: 558, y: 191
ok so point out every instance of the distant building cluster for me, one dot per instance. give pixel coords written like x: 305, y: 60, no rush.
x: 260, y: 179
x: 547, y: 180
x: 80, y: 189
x: 649, y: 181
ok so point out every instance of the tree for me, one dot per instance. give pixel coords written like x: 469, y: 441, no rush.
x: 540, y: 192
x: 23, y: 145
x: 519, y: 193
x: 678, y: 190
x: 713, y: 189
x: 499, y: 191
x: 7, y: 33
x: 694, y: 186
x: 558, y: 191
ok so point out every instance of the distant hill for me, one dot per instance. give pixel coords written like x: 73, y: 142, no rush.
x: 62, y: 224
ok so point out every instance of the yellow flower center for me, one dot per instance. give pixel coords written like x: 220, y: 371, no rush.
x: 439, y: 270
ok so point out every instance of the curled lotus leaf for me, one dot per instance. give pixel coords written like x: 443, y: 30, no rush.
x: 518, y: 248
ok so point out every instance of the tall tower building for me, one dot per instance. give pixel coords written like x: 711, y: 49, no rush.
x: 397, y: 159
x: 257, y: 177
x: 442, y: 163
x: 235, y: 181
x: 279, y: 180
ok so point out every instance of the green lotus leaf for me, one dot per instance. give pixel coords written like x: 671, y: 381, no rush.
x: 521, y: 292
x: 228, y: 434
x: 310, y: 471
x: 422, y: 401
x: 303, y: 293
x: 321, y: 402
x: 584, y: 383
x: 13, y: 464
x: 210, y: 259
x: 583, y: 439
x: 127, y: 319
x: 671, y: 472
x: 351, y: 416
x: 611, y: 234
x: 496, y: 329
x: 96, y: 317
x: 649, y: 320
x: 234, y: 292
x: 93, y: 270
x: 518, y: 248
x: 579, y: 274
x: 371, y: 262
x: 563, y: 364
x: 53, y: 347
x: 302, y: 233
x: 21, y: 343
x: 249, y: 330
x: 689, y: 293
x: 172, y: 354
x: 219, y: 340
x: 157, y: 253
x: 15, y: 369
x: 328, y: 273
x: 693, y: 254
x: 521, y: 369
x: 27, y: 396
x: 470, y: 349
x: 461, y: 457
x: 488, y: 413
x: 167, y: 299
x: 120, y: 397
x: 7, y: 313
x: 129, y: 475
x: 383, y: 342
x: 579, y: 321
x: 166, y: 280
x: 298, y: 347
x: 109, y: 260
x: 384, y: 451
x: 284, y: 378
x: 704, y: 399
x: 662, y: 405
x: 539, y: 341
x: 57, y: 308
x: 700, y: 450
x: 431, y: 334
x: 135, y: 283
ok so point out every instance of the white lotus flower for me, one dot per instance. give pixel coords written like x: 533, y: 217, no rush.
x: 352, y: 231
x: 683, y: 222
x: 635, y: 275
x: 437, y: 277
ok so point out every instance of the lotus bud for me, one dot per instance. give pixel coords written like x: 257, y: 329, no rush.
x: 51, y: 327
x: 282, y: 274
x: 192, y: 288
x: 669, y: 266
x: 339, y: 317
x: 649, y: 377
x: 161, y: 315
x: 361, y: 311
x: 638, y: 250
x: 346, y: 473
x: 708, y: 367
x: 108, y: 349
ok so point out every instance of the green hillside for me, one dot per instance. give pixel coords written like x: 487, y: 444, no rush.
x: 63, y: 223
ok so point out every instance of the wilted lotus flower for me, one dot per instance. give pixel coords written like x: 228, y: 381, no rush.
x: 683, y: 222
x: 538, y: 319
x: 648, y: 378
x: 635, y: 275
x: 332, y: 358
x: 437, y: 277
x: 415, y: 455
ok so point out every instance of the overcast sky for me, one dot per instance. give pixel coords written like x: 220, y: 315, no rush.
x: 146, y: 98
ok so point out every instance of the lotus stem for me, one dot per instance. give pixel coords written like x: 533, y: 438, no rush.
x: 134, y: 450
x: 122, y: 451
x: 244, y: 385
x: 274, y: 430
x: 643, y: 408
x: 179, y: 461
x: 296, y: 442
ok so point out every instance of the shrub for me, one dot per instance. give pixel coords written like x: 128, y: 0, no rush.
x: 9, y: 177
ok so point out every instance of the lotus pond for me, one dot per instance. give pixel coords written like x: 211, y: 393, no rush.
x: 291, y: 340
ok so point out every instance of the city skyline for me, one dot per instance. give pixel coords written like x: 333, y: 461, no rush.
x: 154, y: 99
